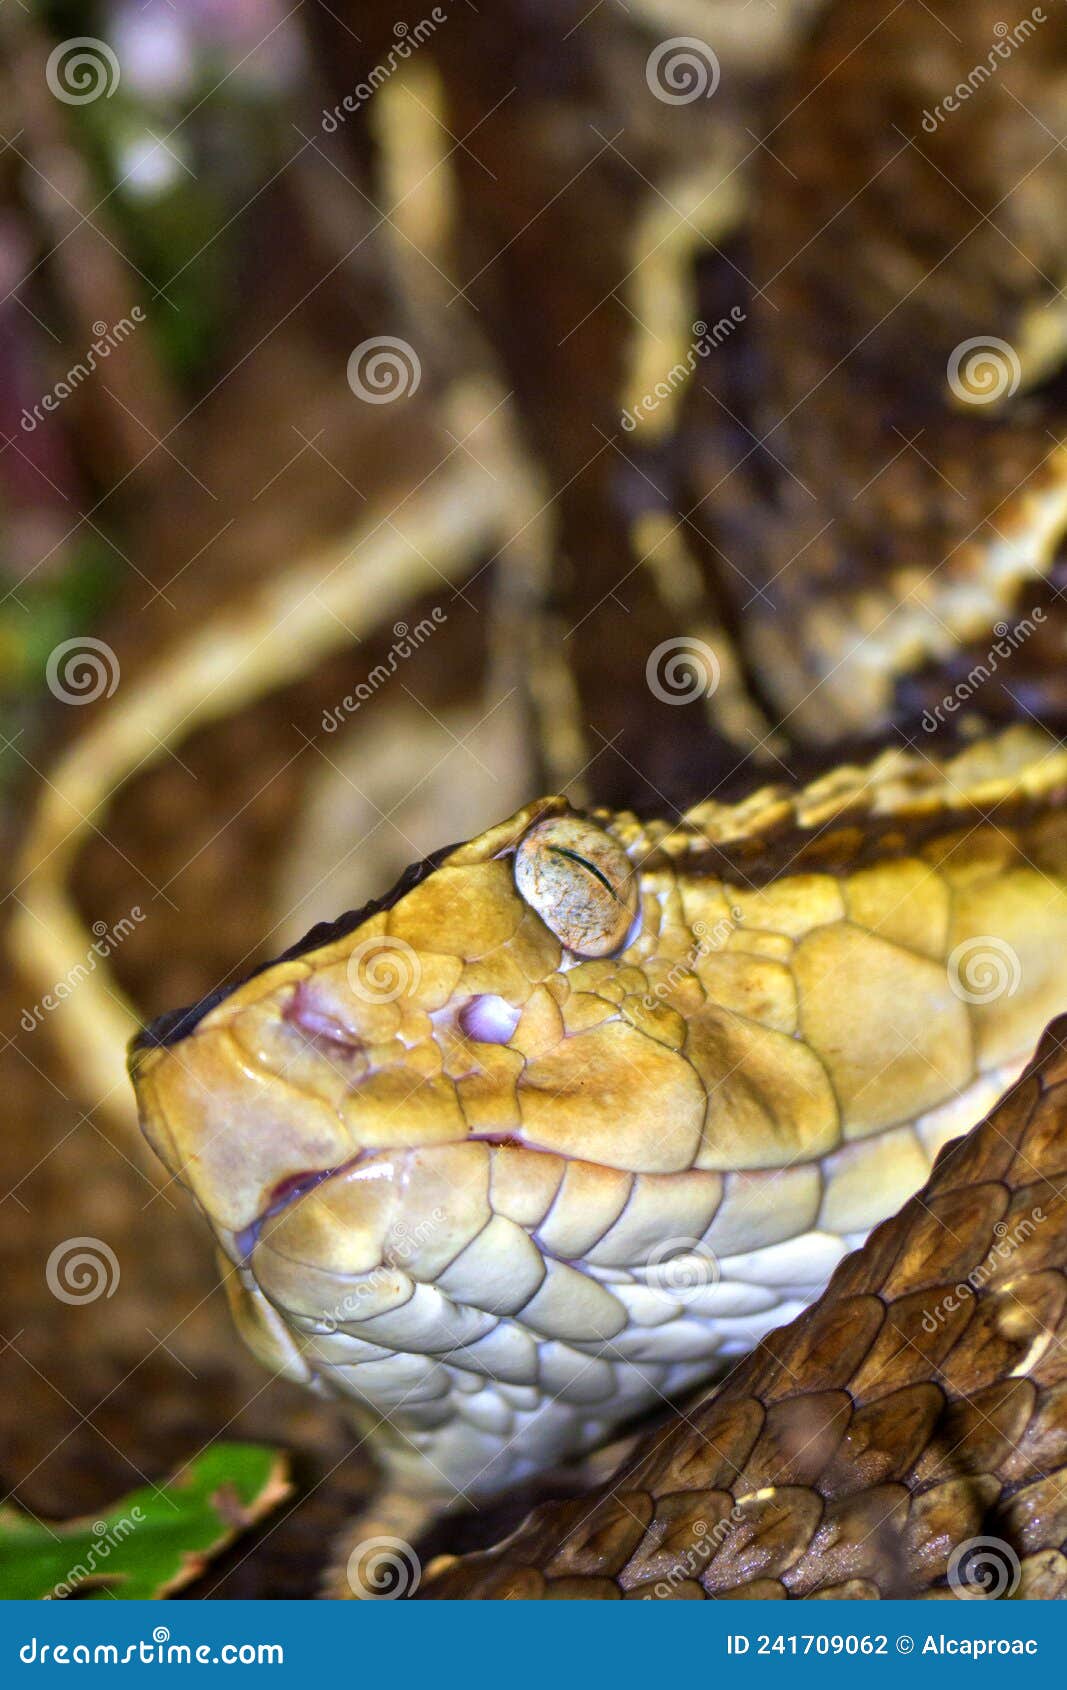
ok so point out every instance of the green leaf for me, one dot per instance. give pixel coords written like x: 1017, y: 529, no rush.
x: 151, y: 1542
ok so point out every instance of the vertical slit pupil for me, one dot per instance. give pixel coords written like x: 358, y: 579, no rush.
x: 591, y: 868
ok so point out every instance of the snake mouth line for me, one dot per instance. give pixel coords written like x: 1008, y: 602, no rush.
x: 287, y: 1192
x: 294, y: 1187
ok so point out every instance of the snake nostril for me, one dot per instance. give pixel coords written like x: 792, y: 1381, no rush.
x: 318, y: 1025
x: 489, y: 1019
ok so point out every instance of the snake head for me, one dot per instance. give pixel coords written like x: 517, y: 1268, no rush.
x: 334, y: 1049
x: 479, y: 1001
x: 376, y: 1124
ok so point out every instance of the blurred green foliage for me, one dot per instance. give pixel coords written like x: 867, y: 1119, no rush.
x: 153, y: 1541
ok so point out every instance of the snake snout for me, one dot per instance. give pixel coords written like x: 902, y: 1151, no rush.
x: 238, y: 1136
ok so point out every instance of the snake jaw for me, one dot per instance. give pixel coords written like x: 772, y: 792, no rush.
x: 287, y: 1191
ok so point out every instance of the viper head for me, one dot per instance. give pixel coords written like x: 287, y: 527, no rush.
x: 496, y: 994
x: 409, y: 1130
x: 447, y: 1142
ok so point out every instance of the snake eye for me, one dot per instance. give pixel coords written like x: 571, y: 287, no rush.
x: 580, y: 882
